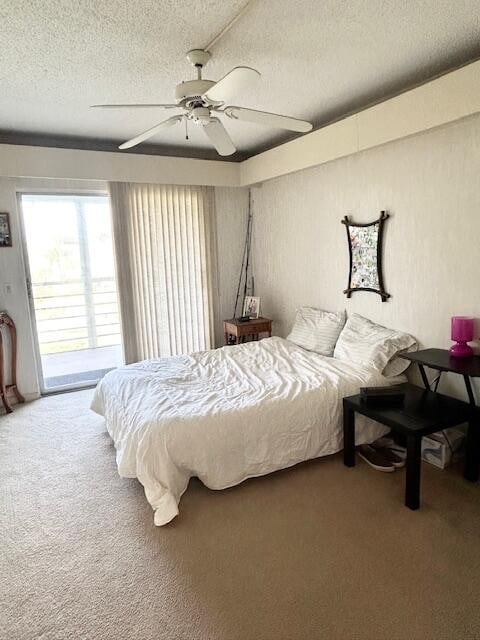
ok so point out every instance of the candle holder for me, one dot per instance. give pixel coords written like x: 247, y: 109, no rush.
x: 462, y: 333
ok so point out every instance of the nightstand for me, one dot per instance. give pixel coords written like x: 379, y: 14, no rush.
x: 236, y: 331
x: 423, y: 412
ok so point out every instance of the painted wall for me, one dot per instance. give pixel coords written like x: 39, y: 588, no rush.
x: 428, y: 183
x: 231, y: 209
x: 41, y: 162
x: 16, y: 303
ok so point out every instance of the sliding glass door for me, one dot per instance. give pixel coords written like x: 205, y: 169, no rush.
x: 72, y: 287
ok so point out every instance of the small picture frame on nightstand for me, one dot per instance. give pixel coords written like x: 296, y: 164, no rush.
x: 251, y: 307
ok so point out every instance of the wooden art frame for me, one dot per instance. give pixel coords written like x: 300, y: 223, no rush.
x: 365, y: 251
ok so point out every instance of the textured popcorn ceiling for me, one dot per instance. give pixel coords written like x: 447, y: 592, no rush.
x: 319, y: 60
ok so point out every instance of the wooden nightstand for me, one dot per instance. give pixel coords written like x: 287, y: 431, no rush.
x: 236, y: 331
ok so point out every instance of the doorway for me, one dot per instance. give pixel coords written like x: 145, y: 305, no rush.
x: 72, y: 288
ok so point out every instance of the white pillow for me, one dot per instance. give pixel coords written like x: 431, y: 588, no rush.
x: 366, y: 343
x: 317, y: 330
x: 397, y: 365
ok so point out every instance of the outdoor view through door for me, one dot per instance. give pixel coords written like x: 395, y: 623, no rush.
x: 72, y: 287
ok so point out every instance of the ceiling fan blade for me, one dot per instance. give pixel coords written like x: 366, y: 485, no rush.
x: 268, y: 119
x: 219, y: 137
x: 151, y: 132
x: 133, y: 106
x: 236, y: 80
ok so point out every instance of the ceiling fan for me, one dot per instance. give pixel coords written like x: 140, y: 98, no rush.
x: 202, y: 100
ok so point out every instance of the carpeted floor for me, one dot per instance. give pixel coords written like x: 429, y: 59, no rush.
x: 319, y: 551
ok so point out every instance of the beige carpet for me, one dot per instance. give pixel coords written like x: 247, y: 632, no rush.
x: 319, y: 551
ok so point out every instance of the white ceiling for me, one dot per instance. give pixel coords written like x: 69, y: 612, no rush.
x: 319, y: 60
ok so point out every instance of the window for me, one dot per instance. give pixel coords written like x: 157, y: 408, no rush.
x: 72, y: 286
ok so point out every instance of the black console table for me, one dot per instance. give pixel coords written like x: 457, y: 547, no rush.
x: 441, y: 361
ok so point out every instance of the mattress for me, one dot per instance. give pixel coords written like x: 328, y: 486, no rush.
x: 226, y: 415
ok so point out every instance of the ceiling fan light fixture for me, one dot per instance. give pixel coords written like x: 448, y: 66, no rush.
x: 200, y: 115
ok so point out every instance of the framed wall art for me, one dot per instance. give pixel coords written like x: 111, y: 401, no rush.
x: 5, y: 233
x: 365, y: 249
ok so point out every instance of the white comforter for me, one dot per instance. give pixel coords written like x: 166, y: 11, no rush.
x: 226, y: 415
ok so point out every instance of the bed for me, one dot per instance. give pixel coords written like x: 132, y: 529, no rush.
x: 227, y: 415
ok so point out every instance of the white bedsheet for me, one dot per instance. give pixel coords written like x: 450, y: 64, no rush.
x: 227, y: 415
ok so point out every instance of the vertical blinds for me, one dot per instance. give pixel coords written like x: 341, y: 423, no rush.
x: 163, y: 245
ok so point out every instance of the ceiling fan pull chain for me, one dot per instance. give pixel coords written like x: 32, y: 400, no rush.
x: 186, y: 128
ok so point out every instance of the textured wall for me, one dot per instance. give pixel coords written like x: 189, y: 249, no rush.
x: 231, y: 207
x: 12, y: 272
x: 428, y: 183
x: 78, y: 164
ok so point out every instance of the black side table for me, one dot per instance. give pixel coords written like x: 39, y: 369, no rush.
x: 441, y: 360
x: 422, y: 413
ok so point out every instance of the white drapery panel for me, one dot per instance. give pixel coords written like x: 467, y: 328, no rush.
x: 163, y: 238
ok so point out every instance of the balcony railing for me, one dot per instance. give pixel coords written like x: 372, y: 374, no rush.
x: 76, y: 314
